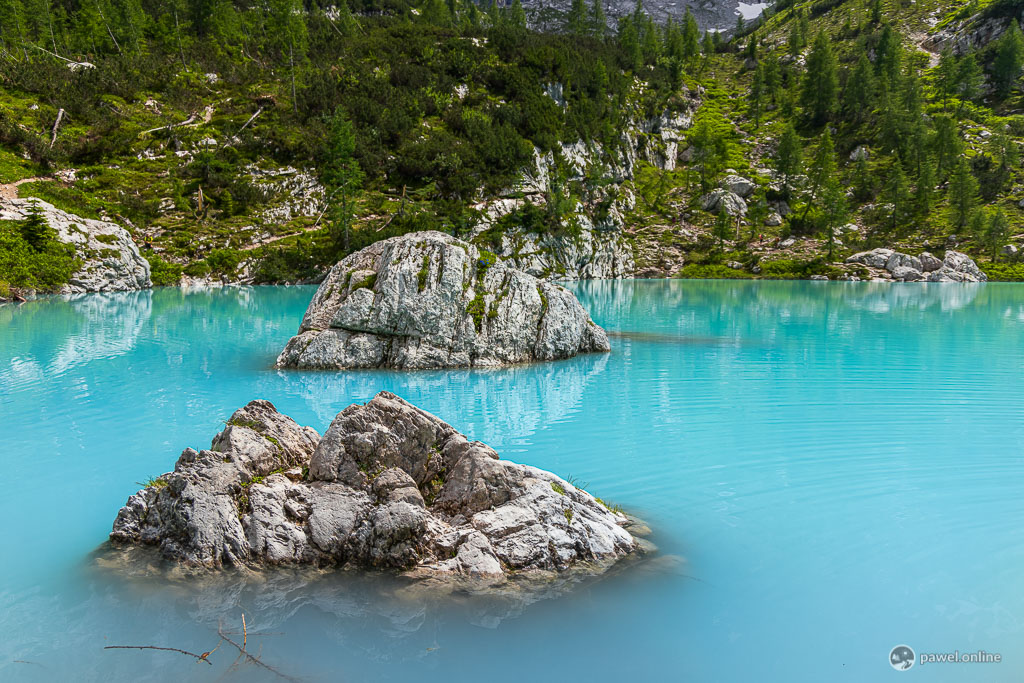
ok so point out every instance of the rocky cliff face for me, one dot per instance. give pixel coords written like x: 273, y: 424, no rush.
x: 388, y: 486
x: 111, y: 261
x: 428, y: 300
x: 591, y: 243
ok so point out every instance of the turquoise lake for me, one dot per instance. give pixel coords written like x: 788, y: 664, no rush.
x: 830, y: 470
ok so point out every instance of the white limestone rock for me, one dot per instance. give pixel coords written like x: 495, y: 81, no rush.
x: 109, y: 259
x: 429, y: 300
x: 388, y: 486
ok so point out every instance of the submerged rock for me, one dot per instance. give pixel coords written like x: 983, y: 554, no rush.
x: 429, y: 300
x: 389, y: 486
x: 110, y: 259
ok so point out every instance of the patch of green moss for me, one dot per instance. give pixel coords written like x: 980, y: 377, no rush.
x: 476, y: 309
x: 558, y: 488
x: 421, y: 276
x: 368, y: 282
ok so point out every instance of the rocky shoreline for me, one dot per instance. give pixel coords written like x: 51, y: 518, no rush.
x: 389, y: 486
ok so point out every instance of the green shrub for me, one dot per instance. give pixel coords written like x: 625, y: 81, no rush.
x: 1003, y: 272
x: 712, y: 272
x: 163, y: 273
x: 46, y: 268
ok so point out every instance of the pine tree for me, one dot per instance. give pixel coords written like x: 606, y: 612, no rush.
x: 576, y: 22
x: 897, y: 195
x: 945, y: 143
x: 755, y: 97
x: 969, y: 80
x: 788, y: 157
x: 342, y: 177
x: 288, y: 27
x: 598, y: 19
x: 629, y: 42
x: 1009, y: 59
x: 722, y: 226
x: 834, y: 211
x: 996, y: 232
x: 691, y: 36
x: 710, y: 150
x: 924, y: 190
x: 859, y: 96
x: 34, y: 228
x: 876, y: 12
x: 946, y: 76
x: 888, y: 56
x: 821, y: 83
x: 517, y: 15
x: 963, y: 193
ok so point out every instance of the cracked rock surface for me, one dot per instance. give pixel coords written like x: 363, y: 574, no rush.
x: 429, y: 300
x: 389, y: 486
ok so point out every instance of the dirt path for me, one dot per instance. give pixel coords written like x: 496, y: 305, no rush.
x: 10, y: 190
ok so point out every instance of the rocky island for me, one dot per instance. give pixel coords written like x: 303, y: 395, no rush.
x: 429, y: 300
x: 389, y: 486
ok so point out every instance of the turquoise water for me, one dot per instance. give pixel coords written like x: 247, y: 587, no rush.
x: 830, y: 470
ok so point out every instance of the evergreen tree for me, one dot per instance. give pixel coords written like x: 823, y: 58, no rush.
x: 969, y: 80
x: 517, y: 15
x: 834, y: 211
x: 888, y: 56
x: 710, y: 150
x: 963, y: 193
x: 821, y: 84
x: 897, y: 196
x: 722, y: 227
x: 1009, y: 59
x: 629, y: 42
x: 755, y: 97
x: 34, y: 228
x: 757, y: 212
x: 946, y: 74
x: 876, y: 12
x: 859, y: 95
x: 342, y: 178
x: 691, y: 36
x: 996, y: 232
x: 945, y: 143
x: 288, y: 28
x: 598, y: 19
x: 576, y: 22
x: 788, y: 157
x: 924, y: 191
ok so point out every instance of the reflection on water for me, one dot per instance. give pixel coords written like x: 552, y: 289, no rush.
x: 839, y: 463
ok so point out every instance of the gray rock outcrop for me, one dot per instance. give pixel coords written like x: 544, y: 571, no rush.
x: 110, y: 259
x: 389, y: 486
x: 428, y: 300
x: 721, y: 199
x: 955, y: 267
x: 738, y: 185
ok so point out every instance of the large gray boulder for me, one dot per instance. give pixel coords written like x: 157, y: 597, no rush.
x: 721, y: 200
x: 110, y: 259
x: 388, y: 486
x: 429, y: 300
x: 876, y: 258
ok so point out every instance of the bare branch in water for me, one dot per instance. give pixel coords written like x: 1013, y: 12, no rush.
x: 199, y: 658
x: 249, y: 657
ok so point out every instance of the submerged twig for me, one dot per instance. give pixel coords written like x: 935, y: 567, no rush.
x: 199, y: 658
x: 249, y: 657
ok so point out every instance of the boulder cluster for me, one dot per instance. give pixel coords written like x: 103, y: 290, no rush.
x: 389, y: 486
x: 429, y: 300
x: 955, y: 267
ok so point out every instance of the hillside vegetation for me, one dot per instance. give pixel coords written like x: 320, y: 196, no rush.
x: 266, y: 141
